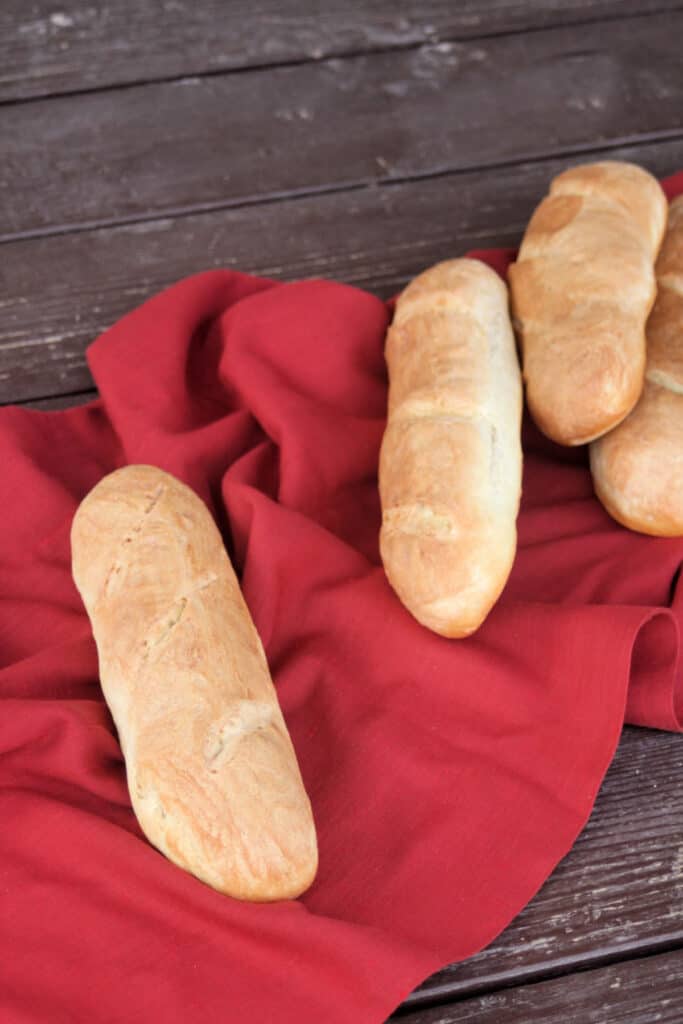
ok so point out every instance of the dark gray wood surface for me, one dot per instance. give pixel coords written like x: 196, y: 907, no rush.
x: 47, y: 47
x: 204, y: 143
x: 645, y: 990
x: 143, y: 141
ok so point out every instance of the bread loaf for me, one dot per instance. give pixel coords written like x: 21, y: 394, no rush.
x: 212, y: 773
x: 582, y: 288
x: 451, y: 459
x: 638, y: 467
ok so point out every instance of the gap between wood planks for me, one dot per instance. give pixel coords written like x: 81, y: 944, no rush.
x: 135, y: 155
x: 53, y: 403
x: 415, y: 37
x: 176, y: 213
x: 440, y: 995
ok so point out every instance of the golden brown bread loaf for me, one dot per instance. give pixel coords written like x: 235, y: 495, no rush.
x: 582, y: 288
x: 638, y: 467
x: 451, y: 459
x: 212, y: 773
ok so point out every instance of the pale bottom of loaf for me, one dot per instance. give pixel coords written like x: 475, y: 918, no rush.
x: 448, y: 589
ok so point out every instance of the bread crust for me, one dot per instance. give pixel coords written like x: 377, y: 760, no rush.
x: 582, y: 288
x: 451, y: 460
x: 212, y: 773
x: 638, y: 467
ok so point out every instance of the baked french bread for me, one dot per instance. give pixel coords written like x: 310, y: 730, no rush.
x: 638, y: 467
x: 582, y: 288
x: 451, y: 459
x: 212, y: 773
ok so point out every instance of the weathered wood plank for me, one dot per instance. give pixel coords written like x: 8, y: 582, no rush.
x: 642, y: 991
x: 618, y: 893
x: 204, y: 143
x: 48, y: 48
x: 58, y: 293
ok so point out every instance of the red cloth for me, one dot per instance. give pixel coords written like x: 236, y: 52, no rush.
x: 447, y: 777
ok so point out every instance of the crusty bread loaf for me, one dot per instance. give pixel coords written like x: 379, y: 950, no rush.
x: 212, y: 773
x: 638, y: 467
x: 582, y: 288
x: 451, y: 458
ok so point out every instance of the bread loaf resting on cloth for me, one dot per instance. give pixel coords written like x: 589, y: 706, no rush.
x: 451, y: 459
x: 212, y: 773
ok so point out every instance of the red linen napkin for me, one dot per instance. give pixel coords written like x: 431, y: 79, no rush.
x: 447, y: 777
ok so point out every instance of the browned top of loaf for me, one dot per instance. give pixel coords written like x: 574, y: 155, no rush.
x: 212, y: 774
x: 627, y: 185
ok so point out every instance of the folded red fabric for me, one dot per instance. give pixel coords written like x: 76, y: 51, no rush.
x: 447, y: 777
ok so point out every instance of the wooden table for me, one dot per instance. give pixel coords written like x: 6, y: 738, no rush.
x: 142, y: 141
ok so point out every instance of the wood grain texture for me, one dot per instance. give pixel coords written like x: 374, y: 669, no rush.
x: 617, y: 893
x: 642, y: 991
x: 204, y: 143
x: 58, y: 293
x: 48, y: 47
x: 365, y: 169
